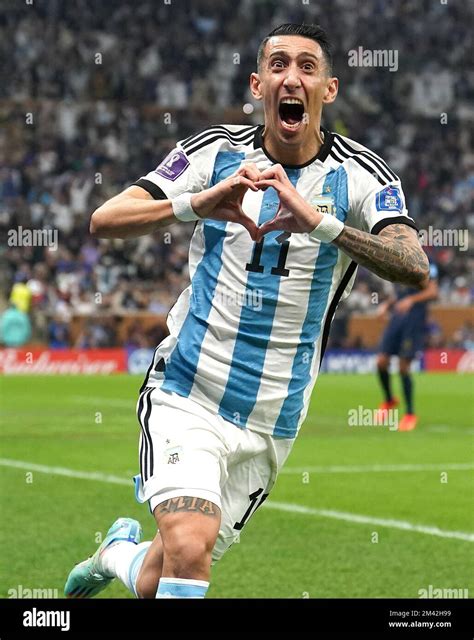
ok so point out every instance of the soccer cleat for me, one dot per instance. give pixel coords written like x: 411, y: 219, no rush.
x: 408, y: 422
x: 86, y: 579
x: 381, y: 415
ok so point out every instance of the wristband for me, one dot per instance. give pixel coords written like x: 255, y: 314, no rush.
x: 182, y: 208
x: 328, y: 229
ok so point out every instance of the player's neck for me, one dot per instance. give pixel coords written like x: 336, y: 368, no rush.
x: 293, y: 154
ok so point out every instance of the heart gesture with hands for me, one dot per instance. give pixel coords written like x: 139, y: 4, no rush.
x: 294, y: 214
x: 224, y: 202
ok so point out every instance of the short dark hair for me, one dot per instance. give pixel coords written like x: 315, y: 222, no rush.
x: 311, y: 31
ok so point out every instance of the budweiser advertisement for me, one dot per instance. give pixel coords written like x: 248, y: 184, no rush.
x: 63, y: 361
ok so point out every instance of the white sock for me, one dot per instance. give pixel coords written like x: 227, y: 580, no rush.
x: 123, y: 560
x: 181, y: 588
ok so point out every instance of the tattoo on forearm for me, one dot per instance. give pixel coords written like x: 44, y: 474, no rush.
x: 187, y: 503
x: 393, y: 256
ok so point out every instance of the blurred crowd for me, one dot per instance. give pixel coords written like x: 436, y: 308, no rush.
x: 95, y: 94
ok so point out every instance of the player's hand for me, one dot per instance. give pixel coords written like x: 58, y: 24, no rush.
x: 403, y: 306
x: 294, y: 214
x: 224, y: 200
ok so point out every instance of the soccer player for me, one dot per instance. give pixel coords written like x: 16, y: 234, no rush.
x: 284, y: 212
x: 403, y: 337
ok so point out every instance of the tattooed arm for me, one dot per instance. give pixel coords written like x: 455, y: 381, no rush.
x: 395, y: 254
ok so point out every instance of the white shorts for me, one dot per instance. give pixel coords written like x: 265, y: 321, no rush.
x: 185, y: 450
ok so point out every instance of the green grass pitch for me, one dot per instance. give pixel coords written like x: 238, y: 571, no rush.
x: 49, y: 521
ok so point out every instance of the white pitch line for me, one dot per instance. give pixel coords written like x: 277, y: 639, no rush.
x: 279, y: 506
x: 381, y: 522
x: 62, y: 471
x: 380, y: 468
x: 120, y: 402
x: 112, y: 402
x: 130, y: 404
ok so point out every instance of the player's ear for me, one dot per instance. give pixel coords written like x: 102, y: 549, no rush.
x: 332, y: 88
x: 255, y: 86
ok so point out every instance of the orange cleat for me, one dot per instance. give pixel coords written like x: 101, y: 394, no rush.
x: 408, y: 422
x: 381, y: 415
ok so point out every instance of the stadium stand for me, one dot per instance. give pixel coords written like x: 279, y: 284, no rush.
x: 98, y: 93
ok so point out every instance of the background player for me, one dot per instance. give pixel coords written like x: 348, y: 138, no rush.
x: 228, y: 389
x: 404, y: 337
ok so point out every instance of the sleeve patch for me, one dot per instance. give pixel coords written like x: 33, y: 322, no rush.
x: 173, y: 165
x: 389, y: 199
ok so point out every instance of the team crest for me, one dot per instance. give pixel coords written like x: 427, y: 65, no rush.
x: 172, y: 455
x: 389, y: 199
x: 324, y: 205
x: 173, y: 458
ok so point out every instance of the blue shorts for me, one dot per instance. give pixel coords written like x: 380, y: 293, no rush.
x: 404, y: 336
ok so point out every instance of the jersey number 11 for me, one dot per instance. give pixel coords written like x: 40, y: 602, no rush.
x: 279, y: 269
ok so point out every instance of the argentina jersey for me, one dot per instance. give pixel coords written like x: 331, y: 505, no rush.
x: 248, y: 334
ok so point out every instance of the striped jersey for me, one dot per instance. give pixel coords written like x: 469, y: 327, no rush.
x: 248, y: 334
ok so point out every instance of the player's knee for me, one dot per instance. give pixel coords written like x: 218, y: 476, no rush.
x: 404, y: 369
x: 188, y: 556
x: 382, y: 361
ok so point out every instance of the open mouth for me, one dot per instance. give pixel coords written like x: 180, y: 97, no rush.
x: 291, y: 111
